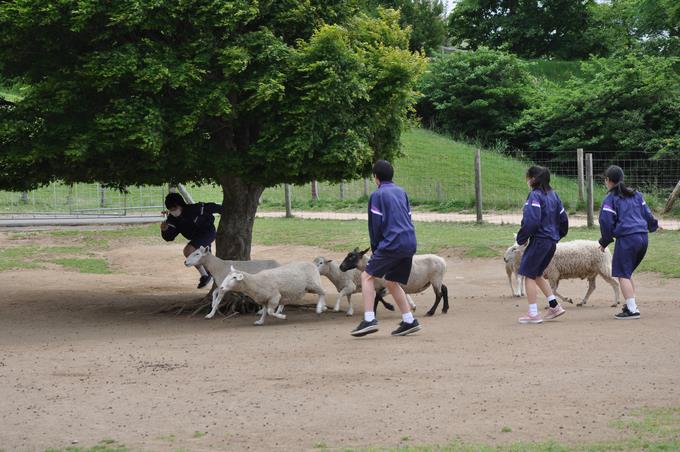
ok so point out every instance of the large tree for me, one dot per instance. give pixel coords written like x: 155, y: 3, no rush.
x: 528, y: 28
x: 245, y: 94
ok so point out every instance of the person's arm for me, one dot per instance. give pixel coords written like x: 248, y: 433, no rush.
x: 169, y: 230
x: 652, y: 223
x: 375, y: 219
x: 213, y: 208
x: 531, y: 219
x: 204, y: 213
x: 608, y: 219
x: 563, y: 221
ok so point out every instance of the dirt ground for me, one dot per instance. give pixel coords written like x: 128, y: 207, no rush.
x: 86, y: 357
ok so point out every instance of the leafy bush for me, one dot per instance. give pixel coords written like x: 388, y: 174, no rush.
x: 475, y: 93
x: 620, y: 108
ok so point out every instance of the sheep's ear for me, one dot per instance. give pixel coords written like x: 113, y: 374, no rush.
x: 204, y: 249
x: 356, y: 250
x: 514, y: 235
x: 233, y: 269
x: 365, y: 251
x: 329, y: 261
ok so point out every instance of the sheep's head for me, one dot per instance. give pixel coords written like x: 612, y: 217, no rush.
x: 322, y: 265
x: 196, y: 258
x: 232, y: 281
x: 352, y: 259
x: 511, y: 252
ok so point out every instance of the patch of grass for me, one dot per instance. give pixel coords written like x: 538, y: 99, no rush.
x: 85, y: 265
x: 18, y: 257
x: 107, y: 445
x: 320, y: 446
x: 506, y: 429
x: 169, y: 438
x: 406, y: 438
x: 198, y: 434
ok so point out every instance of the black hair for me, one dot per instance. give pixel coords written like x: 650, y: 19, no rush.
x: 540, y: 178
x: 615, y: 174
x: 382, y: 169
x: 174, y: 200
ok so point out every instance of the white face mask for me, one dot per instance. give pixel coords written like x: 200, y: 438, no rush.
x: 176, y: 212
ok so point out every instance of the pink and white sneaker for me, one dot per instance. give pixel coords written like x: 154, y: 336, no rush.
x: 531, y: 319
x: 553, y: 313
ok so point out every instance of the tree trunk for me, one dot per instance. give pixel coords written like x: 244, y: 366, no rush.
x: 235, y: 231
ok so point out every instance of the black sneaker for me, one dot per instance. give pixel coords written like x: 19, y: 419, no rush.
x: 406, y: 328
x: 625, y: 314
x: 204, y: 281
x: 365, y: 328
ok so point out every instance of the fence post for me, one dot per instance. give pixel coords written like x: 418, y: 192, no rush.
x: 478, y: 184
x: 102, y: 196
x: 342, y: 191
x: 579, y: 169
x: 591, y: 204
x: 24, y: 197
x: 438, y: 191
x: 289, y: 206
x: 366, y: 187
x: 315, y: 190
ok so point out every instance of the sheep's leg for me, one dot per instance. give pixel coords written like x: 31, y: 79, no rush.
x: 350, y: 307
x: 273, y: 307
x: 411, y: 302
x: 520, y: 281
x: 336, y: 308
x: 321, y: 304
x: 216, y: 300
x: 279, y: 308
x: 557, y: 294
x: 615, y: 285
x: 512, y: 288
x: 438, y: 297
x: 379, y: 299
x: 263, y: 315
x: 591, y: 289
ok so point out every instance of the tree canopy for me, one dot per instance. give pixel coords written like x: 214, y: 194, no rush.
x: 243, y: 93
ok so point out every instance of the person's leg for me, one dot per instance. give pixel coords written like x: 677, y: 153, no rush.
x: 399, y: 296
x: 368, y: 294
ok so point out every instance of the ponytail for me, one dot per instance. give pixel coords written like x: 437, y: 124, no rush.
x: 615, y: 174
x: 540, y: 178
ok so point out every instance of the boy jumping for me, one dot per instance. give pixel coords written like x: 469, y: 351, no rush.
x: 393, y: 243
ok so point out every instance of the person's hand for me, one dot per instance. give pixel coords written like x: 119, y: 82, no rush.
x: 164, y: 213
x: 164, y: 226
x: 602, y: 248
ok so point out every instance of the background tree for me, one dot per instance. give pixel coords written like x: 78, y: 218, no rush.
x: 426, y: 21
x: 240, y: 93
x: 527, y: 28
x: 475, y: 94
x: 625, y: 108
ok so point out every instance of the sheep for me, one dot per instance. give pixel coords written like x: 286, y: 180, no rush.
x: 347, y: 283
x: 512, y: 261
x: 427, y: 269
x: 577, y: 259
x: 219, y: 269
x: 277, y: 286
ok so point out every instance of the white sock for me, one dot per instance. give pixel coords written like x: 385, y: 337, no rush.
x: 551, y: 298
x: 408, y: 317
x: 632, y: 307
x: 533, y: 309
x: 201, y: 269
x: 369, y: 316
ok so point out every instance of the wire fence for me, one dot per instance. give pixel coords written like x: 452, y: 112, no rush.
x: 503, y: 191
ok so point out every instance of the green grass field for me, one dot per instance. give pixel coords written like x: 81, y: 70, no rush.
x: 467, y: 239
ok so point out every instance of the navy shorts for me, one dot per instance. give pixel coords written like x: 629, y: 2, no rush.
x: 628, y: 253
x: 391, y: 268
x: 203, y: 240
x: 536, y: 257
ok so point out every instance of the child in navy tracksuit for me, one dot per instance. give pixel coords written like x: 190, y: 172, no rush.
x: 193, y: 221
x: 626, y: 217
x: 393, y: 242
x: 544, y: 223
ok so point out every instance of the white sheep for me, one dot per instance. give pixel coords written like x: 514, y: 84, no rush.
x: 426, y: 270
x: 347, y: 283
x: 577, y: 259
x: 220, y: 268
x: 512, y: 260
x: 277, y: 286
